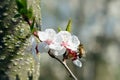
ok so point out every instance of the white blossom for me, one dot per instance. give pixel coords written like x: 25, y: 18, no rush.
x: 46, y: 37
x: 60, y: 42
x: 57, y: 43
x: 64, y: 40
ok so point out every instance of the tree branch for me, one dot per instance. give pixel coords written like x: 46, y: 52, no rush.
x: 64, y: 64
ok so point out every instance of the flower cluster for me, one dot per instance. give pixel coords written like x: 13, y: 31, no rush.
x: 61, y: 43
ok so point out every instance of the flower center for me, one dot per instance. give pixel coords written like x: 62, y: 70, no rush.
x: 72, y: 54
x: 48, y: 42
x: 65, y: 44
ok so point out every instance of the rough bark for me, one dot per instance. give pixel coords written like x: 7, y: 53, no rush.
x: 15, y: 62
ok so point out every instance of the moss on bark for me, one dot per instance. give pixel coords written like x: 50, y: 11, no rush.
x: 15, y: 62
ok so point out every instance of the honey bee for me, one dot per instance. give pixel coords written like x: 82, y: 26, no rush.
x: 81, y: 51
x: 70, y: 54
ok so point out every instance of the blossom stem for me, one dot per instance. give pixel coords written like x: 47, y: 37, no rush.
x: 64, y: 64
x: 68, y: 69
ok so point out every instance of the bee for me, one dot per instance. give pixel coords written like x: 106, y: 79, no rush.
x: 70, y: 54
x: 81, y: 51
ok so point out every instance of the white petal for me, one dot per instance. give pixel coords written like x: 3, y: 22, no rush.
x: 57, y: 39
x: 58, y: 52
x: 62, y: 51
x: 33, y: 41
x: 77, y: 63
x: 42, y: 36
x: 35, y: 55
x: 65, y: 35
x: 50, y: 33
x: 55, y: 46
x: 73, y: 43
x: 43, y: 47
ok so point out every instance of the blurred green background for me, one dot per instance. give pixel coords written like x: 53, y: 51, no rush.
x: 97, y: 24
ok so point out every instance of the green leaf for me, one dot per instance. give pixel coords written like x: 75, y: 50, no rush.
x: 22, y: 6
x: 32, y: 26
x: 23, y: 11
x: 59, y: 29
x: 24, y: 3
x: 69, y: 26
x: 17, y: 15
x: 19, y: 5
x: 30, y: 13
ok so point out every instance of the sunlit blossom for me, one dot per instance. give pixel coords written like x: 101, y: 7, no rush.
x: 60, y: 42
x: 63, y: 41
x: 46, y: 38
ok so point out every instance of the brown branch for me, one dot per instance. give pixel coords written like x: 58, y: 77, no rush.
x: 64, y: 64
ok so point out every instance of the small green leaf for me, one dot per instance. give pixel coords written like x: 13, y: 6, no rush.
x: 23, y: 11
x: 59, y: 29
x: 19, y: 5
x: 69, y: 25
x: 22, y: 6
x: 30, y: 13
x: 24, y: 3
x: 32, y: 26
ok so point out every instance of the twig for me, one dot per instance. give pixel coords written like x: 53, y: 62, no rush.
x: 64, y: 64
x: 70, y: 72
